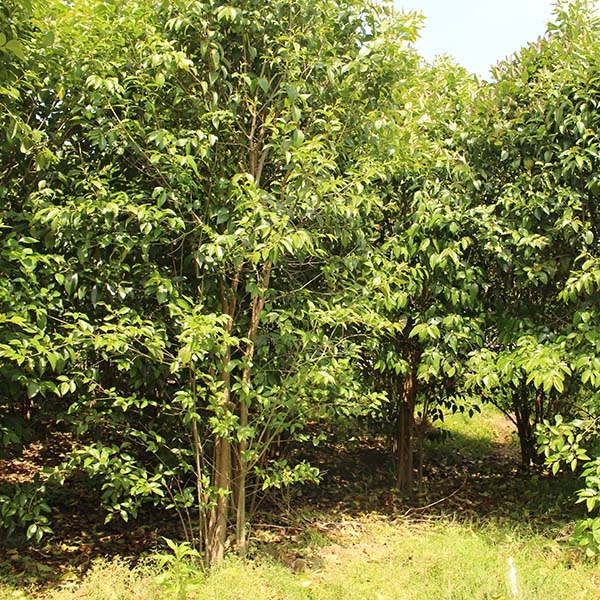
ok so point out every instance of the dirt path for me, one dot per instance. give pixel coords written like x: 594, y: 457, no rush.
x: 505, y: 442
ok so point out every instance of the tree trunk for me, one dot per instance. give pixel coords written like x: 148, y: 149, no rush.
x: 200, y: 495
x: 222, y: 471
x: 421, y: 450
x: 258, y: 304
x: 404, y: 431
x: 242, y: 476
x: 525, y: 428
x: 217, y: 525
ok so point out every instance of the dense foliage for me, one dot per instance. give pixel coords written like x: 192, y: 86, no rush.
x: 229, y: 229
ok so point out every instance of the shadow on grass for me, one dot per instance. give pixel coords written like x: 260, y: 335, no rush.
x: 466, y: 477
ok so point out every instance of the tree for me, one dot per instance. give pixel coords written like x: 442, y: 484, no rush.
x: 199, y: 178
x: 537, y: 152
x: 30, y: 347
x: 413, y: 289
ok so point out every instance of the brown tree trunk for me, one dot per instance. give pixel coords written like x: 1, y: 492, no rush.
x: 404, y: 433
x: 202, y: 534
x: 222, y: 470
x: 525, y: 428
x: 258, y: 304
x: 217, y: 524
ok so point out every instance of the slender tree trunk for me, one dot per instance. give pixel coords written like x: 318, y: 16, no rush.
x: 421, y: 436
x: 200, y: 497
x: 522, y: 411
x: 257, y: 158
x: 222, y: 475
x: 258, y: 304
x: 217, y: 525
x: 240, y: 512
x: 404, y: 431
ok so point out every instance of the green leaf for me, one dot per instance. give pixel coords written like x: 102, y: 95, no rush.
x: 263, y: 83
x: 33, y: 389
x: 16, y: 48
x: 48, y: 39
x: 70, y: 282
x: 32, y: 531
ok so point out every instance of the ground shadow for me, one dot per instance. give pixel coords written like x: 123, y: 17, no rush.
x: 465, y: 477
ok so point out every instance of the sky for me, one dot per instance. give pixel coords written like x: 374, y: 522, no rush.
x: 479, y: 33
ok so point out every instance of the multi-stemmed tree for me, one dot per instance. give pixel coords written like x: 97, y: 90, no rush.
x: 200, y: 166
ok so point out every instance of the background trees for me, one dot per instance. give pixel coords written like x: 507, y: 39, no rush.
x: 414, y: 284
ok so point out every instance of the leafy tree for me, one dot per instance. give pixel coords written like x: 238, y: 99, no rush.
x: 413, y: 291
x: 570, y: 439
x: 199, y: 174
x: 536, y: 184
x: 29, y: 346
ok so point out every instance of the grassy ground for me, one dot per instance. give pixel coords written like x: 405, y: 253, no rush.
x: 454, y: 542
x: 368, y: 559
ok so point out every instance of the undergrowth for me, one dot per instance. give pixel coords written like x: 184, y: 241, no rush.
x: 493, y: 537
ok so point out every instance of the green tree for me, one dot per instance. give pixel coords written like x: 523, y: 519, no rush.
x: 31, y: 352
x: 413, y: 290
x: 536, y: 157
x: 198, y: 177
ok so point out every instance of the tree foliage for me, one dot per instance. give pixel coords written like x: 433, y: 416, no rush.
x: 196, y: 165
x: 228, y: 227
x: 535, y: 181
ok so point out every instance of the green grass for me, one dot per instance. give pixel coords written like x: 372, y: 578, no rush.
x: 452, y: 560
x: 106, y: 580
x: 372, y: 557
x: 477, y: 435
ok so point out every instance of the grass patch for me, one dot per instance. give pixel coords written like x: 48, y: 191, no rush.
x: 8, y: 592
x: 371, y: 559
x: 453, y: 560
x: 108, y: 580
x: 480, y: 435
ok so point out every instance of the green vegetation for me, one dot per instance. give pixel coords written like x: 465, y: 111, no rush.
x: 249, y: 248
x: 415, y: 555
x: 367, y: 559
